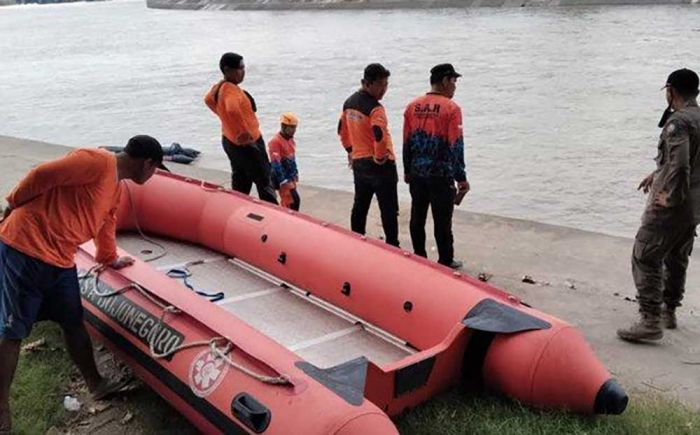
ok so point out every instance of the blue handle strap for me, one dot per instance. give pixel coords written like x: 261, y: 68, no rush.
x: 183, y: 274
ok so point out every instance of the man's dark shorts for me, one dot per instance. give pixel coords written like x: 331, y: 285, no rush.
x: 31, y: 290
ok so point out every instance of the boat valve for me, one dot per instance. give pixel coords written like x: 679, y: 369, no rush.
x: 346, y: 289
x: 282, y: 259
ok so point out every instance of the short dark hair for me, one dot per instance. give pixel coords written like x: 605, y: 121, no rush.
x: 374, y: 72
x: 230, y: 60
x: 685, y: 82
x: 145, y: 147
x: 439, y: 72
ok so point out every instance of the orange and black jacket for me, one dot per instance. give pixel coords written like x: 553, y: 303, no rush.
x: 363, y: 128
x: 236, y: 109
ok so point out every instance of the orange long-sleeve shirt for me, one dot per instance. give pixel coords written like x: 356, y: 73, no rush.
x: 62, y: 204
x: 236, y: 110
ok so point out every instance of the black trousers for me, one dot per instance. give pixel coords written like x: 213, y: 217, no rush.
x: 439, y: 194
x: 381, y: 180
x: 250, y: 165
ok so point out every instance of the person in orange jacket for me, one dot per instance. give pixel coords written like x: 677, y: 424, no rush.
x: 364, y: 133
x: 433, y: 160
x: 285, y: 174
x: 57, y: 207
x: 241, y: 137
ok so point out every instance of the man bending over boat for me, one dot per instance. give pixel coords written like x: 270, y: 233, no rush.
x: 58, y: 206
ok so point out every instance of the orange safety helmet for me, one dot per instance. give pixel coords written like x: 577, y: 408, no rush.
x: 289, y: 118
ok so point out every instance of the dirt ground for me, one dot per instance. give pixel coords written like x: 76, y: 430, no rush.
x: 581, y: 277
x: 100, y: 417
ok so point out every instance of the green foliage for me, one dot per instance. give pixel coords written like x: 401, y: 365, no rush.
x: 43, y: 376
x: 456, y: 414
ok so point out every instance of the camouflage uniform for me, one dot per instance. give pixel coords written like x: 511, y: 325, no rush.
x: 665, y: 239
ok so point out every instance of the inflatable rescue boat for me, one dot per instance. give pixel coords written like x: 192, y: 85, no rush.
x: 251, y: 318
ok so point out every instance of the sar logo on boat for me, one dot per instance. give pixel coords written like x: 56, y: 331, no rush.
x: 206, y: 373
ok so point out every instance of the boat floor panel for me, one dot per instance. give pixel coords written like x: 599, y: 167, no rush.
x: 225, y: 277
x: 286, y: 318
x: 316, y: 334
x: 177, y: 252
x: 351, y: 346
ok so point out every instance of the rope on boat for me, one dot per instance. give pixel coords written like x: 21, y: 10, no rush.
x: 219, y: 352
x: 177, y: 273
x: 164, y: 250
x: 95, y: 271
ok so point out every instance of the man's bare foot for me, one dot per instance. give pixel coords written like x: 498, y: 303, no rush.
x: 108, y: 387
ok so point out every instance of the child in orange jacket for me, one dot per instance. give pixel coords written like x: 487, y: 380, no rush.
x: 285, y: 175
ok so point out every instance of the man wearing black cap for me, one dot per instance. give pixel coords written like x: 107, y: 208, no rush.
x: 665, y: 239
x: 141, y: 154
x: 364, y: 133
x: 241, y: 137
x: 57, y: 207
x: 433, y: 160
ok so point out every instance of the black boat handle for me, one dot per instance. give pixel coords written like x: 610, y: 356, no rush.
x: 252, y: 413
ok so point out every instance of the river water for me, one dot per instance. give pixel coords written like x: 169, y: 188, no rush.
x: 560, y: 104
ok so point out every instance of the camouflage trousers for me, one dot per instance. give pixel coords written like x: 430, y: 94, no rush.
x: 659, y: 263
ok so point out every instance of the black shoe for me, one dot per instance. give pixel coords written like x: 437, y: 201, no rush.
x: 668, y: 318
x: 454, y: 264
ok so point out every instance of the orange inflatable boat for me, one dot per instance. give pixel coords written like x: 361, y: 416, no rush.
x: 250, y: 318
